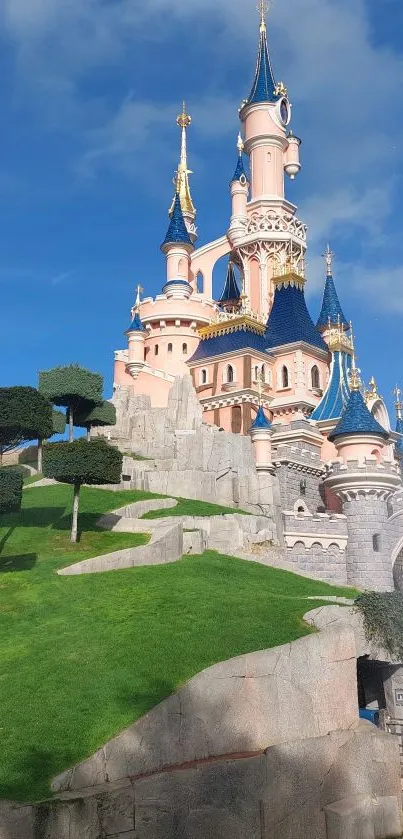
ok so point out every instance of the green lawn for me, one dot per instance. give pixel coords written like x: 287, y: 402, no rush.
x: 190, y: 507
x: 83, y: 657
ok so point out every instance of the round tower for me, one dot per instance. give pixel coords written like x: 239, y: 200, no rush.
x: 261, y: 433
x: 136, y: 335
x: 364, y: 478
x: 239, y: 186
x: 177, y: 246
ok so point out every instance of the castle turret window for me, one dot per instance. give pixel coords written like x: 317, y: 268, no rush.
x: 184, y: 349
x: 315, y: 378
x: 156, y: 349
x: 203, y: 377
x: 284, y: 377
x: 169, y: 347
x: 230, y: 373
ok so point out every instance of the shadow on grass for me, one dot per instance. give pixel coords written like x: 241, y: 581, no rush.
x: 39, y: 767
x: 140, y: 702
x: 54, y: 517
x: 25, y: 562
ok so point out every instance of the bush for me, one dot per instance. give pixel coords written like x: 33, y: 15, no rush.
x: 103, y: 414
x: 25, y: 415
x: 383, y: 620
x: 82, y: 462
x: 11, y: 481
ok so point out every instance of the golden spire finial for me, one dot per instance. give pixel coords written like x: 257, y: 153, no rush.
x: 354, y: 372
x: 263, y: 8
x: 328, y: 255
x: 399, y: 405
x: 181, y: 180
x: 240, y: 144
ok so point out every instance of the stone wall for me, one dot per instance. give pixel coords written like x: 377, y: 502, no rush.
x: 317, y: 544
x: 321, y: 563
x: 265, y: 746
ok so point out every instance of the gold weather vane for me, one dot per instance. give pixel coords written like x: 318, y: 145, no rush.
x: 181, y: 180
x: 240, y: 144
x: 328, y: 255
x: 263, y: 7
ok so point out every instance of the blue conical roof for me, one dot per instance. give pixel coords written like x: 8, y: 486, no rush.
x: 290, y: 321
x: 261, y: 420
x: 136, y: 324
x: 357, y: 419
x: 399, y: 443
x: 264, y: 84
x: 337, y: 393
x: 230, y: 290
x: 240, y: 170
x: 177, y: 231
x: 331, y: 310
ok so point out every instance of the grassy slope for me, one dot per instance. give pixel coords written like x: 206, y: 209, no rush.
x: 190, y: 507
x: 83, y: 657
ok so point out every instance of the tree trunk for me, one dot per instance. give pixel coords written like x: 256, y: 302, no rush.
x: 74, y: 522
x: 40, y: 456
x: 89, y: 433
x: 71, y: 426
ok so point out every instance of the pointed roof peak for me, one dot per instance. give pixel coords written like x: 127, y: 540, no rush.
x: 136, y: 324
x: 240, y: 169
x: 357, y: 419
x: 181, y: 179
x: 231, y: 289
x: 260, y: 420
x: 331, y: 313
x: 264, y: 88
x: 177, y: 232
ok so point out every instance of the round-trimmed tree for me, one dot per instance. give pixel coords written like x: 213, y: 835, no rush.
x: 82, y: 462
x: 72, y: 387
x: 102, y: 415
x: 25, y: 414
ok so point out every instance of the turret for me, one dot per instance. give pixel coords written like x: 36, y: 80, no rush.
x: 181, y: 179
x: 239, y: 194
x: 136, y: 335
x: 364, y: 478
x: 331, y: 313
x: 266, y: 115
x: 230, y: 299
x: 177, y: 246
x: 261, y: 433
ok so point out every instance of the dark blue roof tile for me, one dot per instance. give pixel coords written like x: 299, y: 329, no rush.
x: 261, y: 420
x: 357, y: 419
x: 290, y: 321
x: 240, y: 170
x: 230, y: 290
x: 399, y: 443
x: 331, y: 309
x: 263, y: 85
x: 177, y: 231
x: 337, y: 393
x: 136, y: 324
x: 232, y: 342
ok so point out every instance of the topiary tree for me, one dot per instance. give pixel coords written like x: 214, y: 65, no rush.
x: 58, y: 427
x: 82, y: 462
x: 25, y: 415
x: 102, y: 415
x: 72, y: 387
x: 11, y: 482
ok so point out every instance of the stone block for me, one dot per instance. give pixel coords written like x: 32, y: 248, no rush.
x: 17, y: 821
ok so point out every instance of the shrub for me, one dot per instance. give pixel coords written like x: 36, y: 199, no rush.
x: 103, y: 414
x: 82, y: 462
x: 383, y: 620
x: 73, y: 387
x: 25, y: 415
x: 11, y: 481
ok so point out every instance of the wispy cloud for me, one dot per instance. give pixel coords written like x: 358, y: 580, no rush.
x: 60, y: 278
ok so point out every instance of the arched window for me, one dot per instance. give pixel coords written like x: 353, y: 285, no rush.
x: 184, y: 349
x: 315, y: 377
x: 156, y: 349
x: 376, y: 542
x: 263, y: 373
x: 230, y: 373
x: 256, y: 373
x: 199, y: 282
x: 169, y: 347
x: 203, y: 377
x: 284, y: 376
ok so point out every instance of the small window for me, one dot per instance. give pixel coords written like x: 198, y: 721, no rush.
x: 156, y: 349
x: 376, y: 542
x: 256, y: 373
x: 263, y: 373
x: 203, y: 377
x: 284, y: 377
x: 315, y: 378
x: 230, y: 373
x: 200, y: 282
x: 169, y: 347
x: 184, y: 349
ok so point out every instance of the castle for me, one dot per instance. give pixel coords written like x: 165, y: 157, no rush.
x: 326, y: 462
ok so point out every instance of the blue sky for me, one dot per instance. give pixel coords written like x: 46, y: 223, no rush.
x: 90, y: 90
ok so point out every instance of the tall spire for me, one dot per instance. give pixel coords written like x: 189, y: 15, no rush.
x: 240, y: 169
x: 331, y: 313
x: 264, y: 88
x: 181, y: 180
